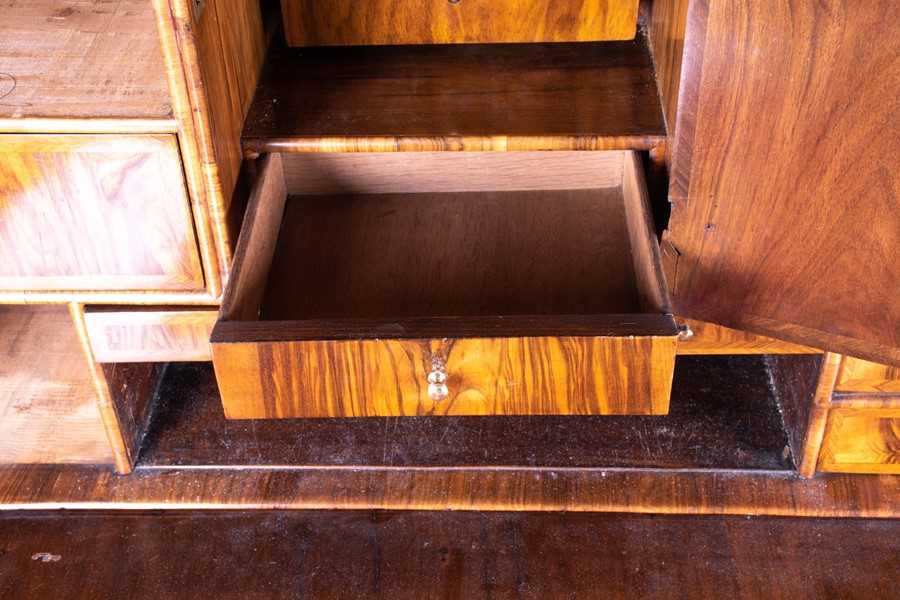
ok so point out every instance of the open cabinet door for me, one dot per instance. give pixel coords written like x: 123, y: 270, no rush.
x: 785, y: 184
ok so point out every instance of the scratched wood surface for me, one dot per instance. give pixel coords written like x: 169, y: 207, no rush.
x: 349, y: 23
x: 766, y: 242
x: 586, y: 96
x: 95, y: 212
x: 48, y: 406
x: 859, y: 440
x: 416, y: 555
x: 81, y: 59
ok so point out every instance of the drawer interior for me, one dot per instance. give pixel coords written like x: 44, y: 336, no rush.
x: 386, y: 237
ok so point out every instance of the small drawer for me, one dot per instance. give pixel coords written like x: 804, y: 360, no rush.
x: 446, y: 284
x: 95, y: 212
x: 862, y: 440
x: 149, y: 334
x: 378, y: 22
x: 857, y: 375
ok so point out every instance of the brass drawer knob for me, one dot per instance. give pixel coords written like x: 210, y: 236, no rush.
x: 437, y: 380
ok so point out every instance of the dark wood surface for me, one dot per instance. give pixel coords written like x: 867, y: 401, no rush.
x: 365, y: 554
x: 562, y: 252
x: 794, y: 379
x: 785, y: 186
x: 589, y: 95
x: 723, y: 415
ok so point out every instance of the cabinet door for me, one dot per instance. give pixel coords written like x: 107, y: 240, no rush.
x: 785, y: 181
x: 95, y: 212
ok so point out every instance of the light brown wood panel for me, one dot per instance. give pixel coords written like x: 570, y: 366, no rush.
x: 48, y: 405
x: 567, y: 490
x: 859, y: 375
x: 122, y: 335
x: 367, y: 22
x: 95, y: 212
x: 862, y: 441
x: 708, y: 338
x: 81, y: 59
x: 784, y: 186
x: 666, y: 34
x: 396, y: 173
x: 508, y: 376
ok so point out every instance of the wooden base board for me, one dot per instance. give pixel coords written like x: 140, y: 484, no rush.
x: 574, y: 490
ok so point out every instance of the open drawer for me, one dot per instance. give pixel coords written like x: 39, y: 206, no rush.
x: 446, y: 284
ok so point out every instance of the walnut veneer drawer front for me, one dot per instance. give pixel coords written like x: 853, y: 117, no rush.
x: 446, y: 284
x: 862, y: 441
x: 373, y: 22
x: 95, y: 212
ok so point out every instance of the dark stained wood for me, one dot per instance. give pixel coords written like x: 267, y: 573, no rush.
x: 377, y: 22
x: 785, y: 184
x: 365, y: 554
x: 588, y: 96
x: 515, y: 489
x: 794, y: 380
x: 132, y: 393
x: 562, y: 252
x: 723, y: 415
x: 95, y: 212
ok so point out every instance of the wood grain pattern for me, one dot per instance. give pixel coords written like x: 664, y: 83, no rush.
x: 512, y: 376
x: 95, y: 212
x: 587, y: 96
x: 859, y: 375
x: 708, y: 338
x: 122, y: 335
x: 818, y: 413
x: 784, y: 202
x: 81, y: 59
x: 48, y: 406
x: 377, y: 22
x: 569, y: 490
x: 331, y: 555
x: 668, y: 21
x: 212, y: 66
x: 862, y: 441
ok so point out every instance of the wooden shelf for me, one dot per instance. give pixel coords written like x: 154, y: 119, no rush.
x: 48, y: 405
x: 724, y: 415
x: 71, y: 59
x: 567, y: 96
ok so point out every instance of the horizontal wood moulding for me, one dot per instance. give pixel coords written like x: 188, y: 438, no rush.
x: 572, y: 490
x: 495, y: 97
x: 376, y: 22
x: 457, y: 284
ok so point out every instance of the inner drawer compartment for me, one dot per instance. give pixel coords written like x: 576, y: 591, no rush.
x: 446, y: 284
x: 365, y: 22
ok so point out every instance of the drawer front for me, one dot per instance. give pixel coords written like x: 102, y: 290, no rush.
x: 863, y: 376
x: 376, y: 22
x: 95, y: 212
x: 157, y: 335
x: 862, y: 441
x: 478, y: 376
